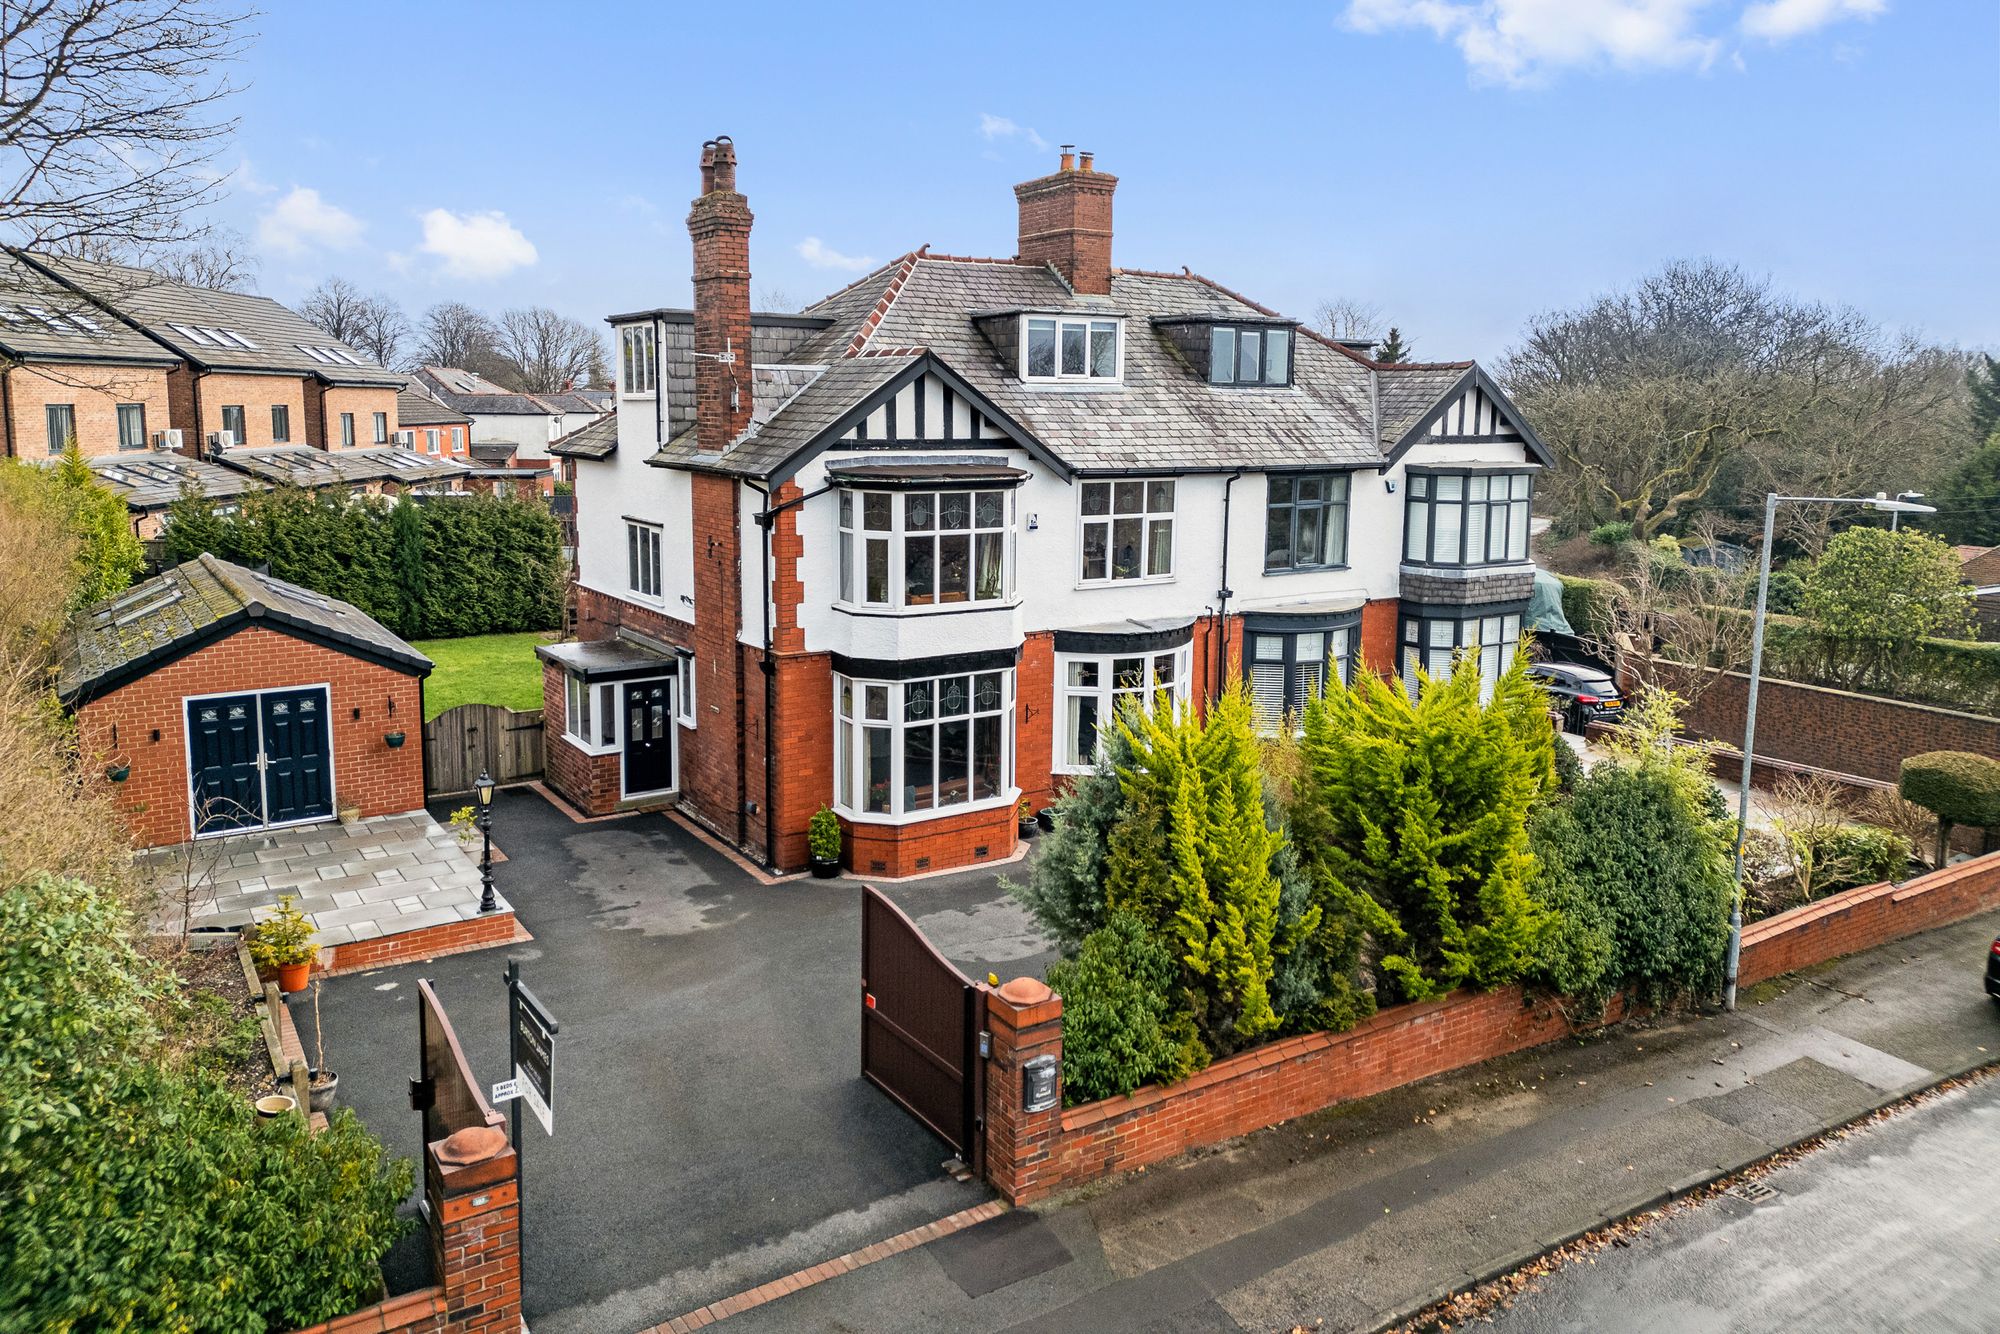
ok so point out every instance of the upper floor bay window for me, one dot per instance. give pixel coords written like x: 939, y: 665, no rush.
x: 1305, y: 522
x: 642, y: 558
x: 1128, y: 529
x: 911, y: 748
x: 1070, y: 348
x: 917, y: 549
x: 638, y: 361
x: 1256, y: 355
x: 1467, y: 518
x: 1432, y: 641
x: 1096, y: 689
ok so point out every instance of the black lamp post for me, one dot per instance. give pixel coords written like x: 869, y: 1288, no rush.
x: 484, y: 788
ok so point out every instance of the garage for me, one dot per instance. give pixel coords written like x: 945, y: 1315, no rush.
x: 214, y: 699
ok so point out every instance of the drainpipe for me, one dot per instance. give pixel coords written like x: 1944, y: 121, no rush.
x: 1222, y: 596
x: 659, y: 385
x: 7, y: 405
x: 767, y: 518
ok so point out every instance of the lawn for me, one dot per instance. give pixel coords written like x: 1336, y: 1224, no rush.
x: 484, y: 669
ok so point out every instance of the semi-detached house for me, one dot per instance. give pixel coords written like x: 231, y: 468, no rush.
x: 905, y: 553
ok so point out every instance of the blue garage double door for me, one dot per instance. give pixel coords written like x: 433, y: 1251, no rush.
x: 260, y: 759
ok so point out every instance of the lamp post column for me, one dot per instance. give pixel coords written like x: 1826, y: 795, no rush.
x: 1749, y: 754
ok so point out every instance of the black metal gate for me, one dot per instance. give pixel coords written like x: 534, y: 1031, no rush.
x: 920, y: 1026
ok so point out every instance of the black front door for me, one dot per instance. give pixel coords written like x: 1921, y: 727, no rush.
x: 649, y: 736
x: 259, y: 759
x: 223, y: 751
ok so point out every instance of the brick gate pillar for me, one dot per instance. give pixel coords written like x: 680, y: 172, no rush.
x: 473, y: 1188
x: 1025, y: 1019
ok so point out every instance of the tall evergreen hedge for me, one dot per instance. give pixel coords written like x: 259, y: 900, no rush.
x: 447, y: 566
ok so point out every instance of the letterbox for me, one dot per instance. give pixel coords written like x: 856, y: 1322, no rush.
x: 1039, y: 1080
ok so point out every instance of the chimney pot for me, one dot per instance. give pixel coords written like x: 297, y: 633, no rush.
x: 725, y: 162
x: 1068, y: 157
x: 1085, y: 156
x: 707, y: 166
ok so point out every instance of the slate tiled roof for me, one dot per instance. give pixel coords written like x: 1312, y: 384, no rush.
x: 1162, y: 415
x: 416, y: 406
x: 302, y: 465
x: 597, y: 439
x: 202, y: 600
x: 276, y: 335
x: 148, y: 479
x: 473, y: 393
x: 68, y: 327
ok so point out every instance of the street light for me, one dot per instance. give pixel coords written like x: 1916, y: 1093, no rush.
x: 1894, y: 508
x: 483, y: 788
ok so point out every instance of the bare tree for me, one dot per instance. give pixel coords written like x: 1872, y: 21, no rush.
x: 1345, y: 317
x: 1667, y: 622
x: 220, y: 260
x: 110, y: 114
x: 452, y: 333
x: 374, y: 324
x: 549, y: 353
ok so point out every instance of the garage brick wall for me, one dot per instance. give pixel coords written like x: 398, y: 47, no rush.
x: 367, y: 773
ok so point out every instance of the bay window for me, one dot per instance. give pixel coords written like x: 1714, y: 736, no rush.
x: 1070, y: 349
x: 925, y: 745
x: 1305, y: 522
x: 919, y: 549
x: 1286, y: 667
x: 1432, y: 639
x: 1467, y: 518
x: 1096, y: 689
x: 590, y: 713
x: 1128, y: 529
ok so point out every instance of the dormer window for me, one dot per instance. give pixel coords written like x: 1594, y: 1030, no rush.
x: 1060, y: 348
x: 1249, y: 354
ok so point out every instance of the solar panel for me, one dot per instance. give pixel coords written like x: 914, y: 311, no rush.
x: 162, y: 597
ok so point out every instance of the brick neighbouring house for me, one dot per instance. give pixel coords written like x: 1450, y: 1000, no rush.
x: 905, y: 552
x: 244, y: 701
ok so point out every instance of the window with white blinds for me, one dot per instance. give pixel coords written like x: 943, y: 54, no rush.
x: 1467, y: 518
x: 1286, y: 668
x: 1431, y: 643
x: 1096, y: 688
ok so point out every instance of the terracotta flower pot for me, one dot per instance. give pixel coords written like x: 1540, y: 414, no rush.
x: 292, y: 976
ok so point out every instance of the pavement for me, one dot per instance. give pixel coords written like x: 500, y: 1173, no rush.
x: 712, y: 1130
x: 1890, y: 1228
x: 1365, y: 1214
x: 376, y: 877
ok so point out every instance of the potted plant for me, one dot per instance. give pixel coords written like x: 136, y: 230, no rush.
x: 1025, y: 813
x: 464, y: 824
x: 284, y: 942
x: 350, y: 810
x: 393, y: 740
x: 823, y: 843
x: 325, y: 1083
x: 1046, y: 818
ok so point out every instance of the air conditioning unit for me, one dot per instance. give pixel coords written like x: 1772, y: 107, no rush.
x: 167, y: 442
x: 406, y: 439
x: 221, y: 440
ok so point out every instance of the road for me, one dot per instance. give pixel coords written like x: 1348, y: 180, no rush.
x: 1892, y: 1228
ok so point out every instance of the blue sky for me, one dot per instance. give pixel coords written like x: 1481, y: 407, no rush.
x: 1462, y: 164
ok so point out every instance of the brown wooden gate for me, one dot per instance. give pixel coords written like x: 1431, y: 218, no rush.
x: 461, y: 742
x: 920, y: 1026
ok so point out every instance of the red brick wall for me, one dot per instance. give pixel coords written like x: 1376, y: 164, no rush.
x: 712, y: 770
x: 1860, y: 919
x: 1065, y: 220
x: 931, y: 845
x: 803, y: 767
x: 323, y: 429
x: 255, y: 394
x: 589, y: 781
x: 367, y: 772
x: 94, y: 393
x: 494, y: 928
x: 1035, y: 720
x: 1378, y: 636
x: 1834, y: 729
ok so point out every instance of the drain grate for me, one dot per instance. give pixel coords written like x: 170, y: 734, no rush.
x: 1757, y: 1192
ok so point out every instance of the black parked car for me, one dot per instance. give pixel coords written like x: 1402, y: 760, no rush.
x: 1585, y: 694
x: 1993, y: 973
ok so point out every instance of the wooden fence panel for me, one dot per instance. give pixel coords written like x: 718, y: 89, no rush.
x: 461, y: 742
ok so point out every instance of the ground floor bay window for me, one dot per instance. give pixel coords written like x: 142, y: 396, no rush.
x: 1286, y: 665
x: 1433, y: 637
x: 923, y: 746
x: 1092, y: 689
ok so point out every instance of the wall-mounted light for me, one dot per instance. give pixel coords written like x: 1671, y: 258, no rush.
x: 1390, y: 483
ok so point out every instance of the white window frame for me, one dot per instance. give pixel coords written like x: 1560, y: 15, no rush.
x: 642, y: 559
x: 1434, y: 637
x: 638, y: 361
x: 684, y: 693
x: 855, y: 540
x: 1089, y: 324
x: 1106, y: 695
x: 1148, y: 517
x: 598, y: 716
x: 1298, y: 677
x: 431, y: 439
x: 852, y: 723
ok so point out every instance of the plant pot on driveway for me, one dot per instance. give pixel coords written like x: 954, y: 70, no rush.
x: 825, y: 868
x: 294, y: 976
x: 1046, y: 818
x: 321, y: 1090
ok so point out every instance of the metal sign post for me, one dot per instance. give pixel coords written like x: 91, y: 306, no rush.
x: 531, y: 1062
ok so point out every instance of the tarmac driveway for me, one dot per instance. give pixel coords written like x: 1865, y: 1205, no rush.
x: 712, y: 1129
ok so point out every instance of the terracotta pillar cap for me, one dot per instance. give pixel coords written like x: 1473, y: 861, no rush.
x: 474, y: 1144
x: 1025, y: 991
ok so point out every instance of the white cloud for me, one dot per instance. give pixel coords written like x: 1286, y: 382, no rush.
x: 816, y: 253
x: 476, y: 245
x: 1781, y: 20
x: 995, y: 128
x: 1524, y: 42
x: 302, y: 221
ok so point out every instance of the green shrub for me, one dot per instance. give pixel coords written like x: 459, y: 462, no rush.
x: 1616, y: 533
x: 1587, y: 604
x: 140, y: 1191
x: 1862, y: 854
x: 1785, y: 595
x: 107, y: 556
x: 1958, y: 787
x: 1065, y: 888
x: 823, y: 835
x: 1574, y: 950
x: 1121, y: 1027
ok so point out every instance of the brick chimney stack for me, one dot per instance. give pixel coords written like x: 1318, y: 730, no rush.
x: 1066, y: 221
x: 720, y: 225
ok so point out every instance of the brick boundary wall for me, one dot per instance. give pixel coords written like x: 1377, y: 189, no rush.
x: 474, y: 933
x: 1031, y: 1155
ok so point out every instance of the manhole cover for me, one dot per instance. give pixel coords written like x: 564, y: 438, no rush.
x: 1757, y: 1192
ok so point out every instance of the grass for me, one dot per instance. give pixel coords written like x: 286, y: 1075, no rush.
x: 484, y: 669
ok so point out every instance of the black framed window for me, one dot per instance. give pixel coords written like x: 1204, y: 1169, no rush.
x: 1288, y: 667
x: 232, y: 422
x: 281, y: 424
x: 131, y: 426
x: 1305, y: 522
x: 62, y: 425
x: 347, y: 428
x: 1249, y: 354
x: 1431, y: 640
x: 1467, y: 518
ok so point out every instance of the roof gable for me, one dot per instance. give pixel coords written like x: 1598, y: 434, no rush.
x: 1472, y: 409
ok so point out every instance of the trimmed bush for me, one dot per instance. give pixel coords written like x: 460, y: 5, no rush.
x: 1958, y: 787
x: 1615, y: 533
x: 1587, y: 604
x: 1120, y: 1029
